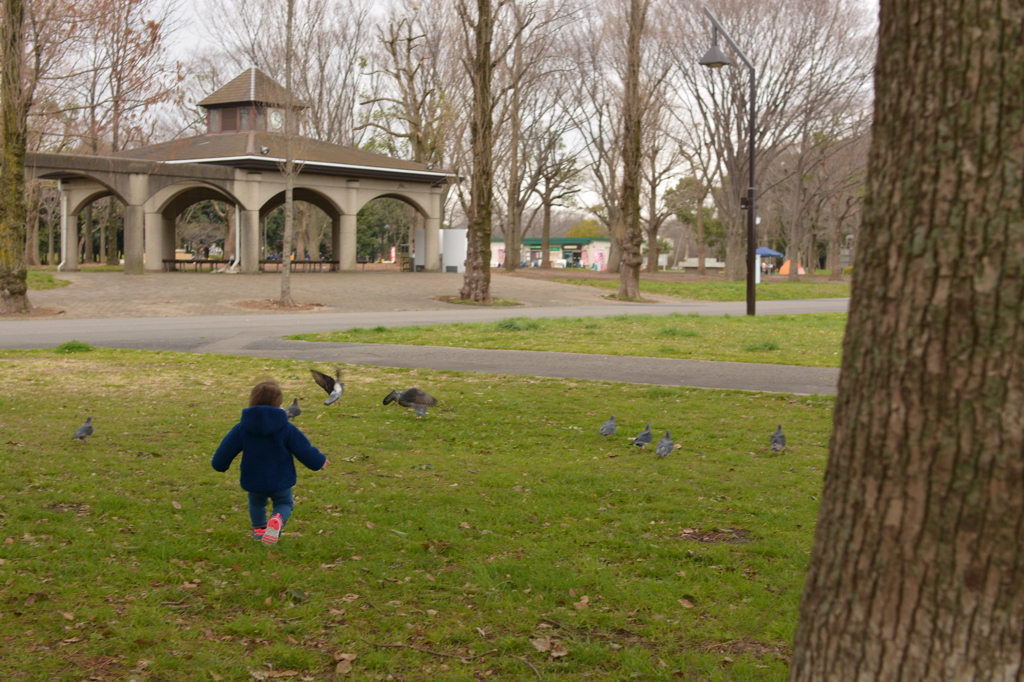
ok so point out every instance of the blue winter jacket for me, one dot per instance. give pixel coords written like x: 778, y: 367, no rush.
x: 267, y: 441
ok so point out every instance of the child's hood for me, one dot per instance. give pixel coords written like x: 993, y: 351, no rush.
x: 263, y: 420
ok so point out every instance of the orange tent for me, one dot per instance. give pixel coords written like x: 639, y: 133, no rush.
x: 784, y: 270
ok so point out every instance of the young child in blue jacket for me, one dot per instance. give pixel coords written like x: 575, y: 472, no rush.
x: 267, y: 441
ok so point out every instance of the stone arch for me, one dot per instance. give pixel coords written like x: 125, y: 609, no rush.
x: 326, y: 204
x: 427, y: 235
x: 367, y: 197
x: 78, y: 190
x: 311, y: 196
x: 161, y: 216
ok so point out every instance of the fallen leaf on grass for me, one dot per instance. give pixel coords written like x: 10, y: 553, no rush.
x: 176, y: 504
x: 541, y: 644
x: 371, y: 525
x: 68, y: 616
x: 350, y: 597
x: 687, y: 604
x: 558, y: 650
x: 582, y: 603
x: 344, y: 666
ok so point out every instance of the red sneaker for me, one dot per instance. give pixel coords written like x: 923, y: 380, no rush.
x: 273, y: 531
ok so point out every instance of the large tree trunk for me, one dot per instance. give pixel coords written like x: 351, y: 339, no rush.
x: 632, y: 147
x: 13, y: 110
x: 917, y: 571
x: 286, y: 299
x: 476, y: 285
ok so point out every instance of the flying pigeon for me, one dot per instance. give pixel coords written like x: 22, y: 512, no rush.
x: 84, y: 431
x: 334, y: 387
x: 608, y: 428
x: 644, y: 438
x: 293, y: 410
x: 665, y: 445
x: 778, y: 440
x: 414, y: 398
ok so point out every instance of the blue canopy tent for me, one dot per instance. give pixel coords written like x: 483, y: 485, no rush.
x: 764, y: 251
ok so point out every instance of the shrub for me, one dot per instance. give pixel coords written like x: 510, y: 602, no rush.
x: 848, y: 270
x: 73, y: 346
x: 676, y: 332
x: 517, y: 324
x: 761, y: 346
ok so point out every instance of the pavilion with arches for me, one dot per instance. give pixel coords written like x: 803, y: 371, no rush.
x: 238, y: 160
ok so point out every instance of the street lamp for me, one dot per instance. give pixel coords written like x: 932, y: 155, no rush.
x: 715, y: 59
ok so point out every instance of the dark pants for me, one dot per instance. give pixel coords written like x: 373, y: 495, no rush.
x: 281, y: 500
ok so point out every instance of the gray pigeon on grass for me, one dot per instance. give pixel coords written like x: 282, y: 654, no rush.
x: 665, y: 445
x: 414, y: 398
x: 84, y: 431
x: 609, y: 427
x: 644, y: 438
x: 293, y: 410
x: 778, y: 440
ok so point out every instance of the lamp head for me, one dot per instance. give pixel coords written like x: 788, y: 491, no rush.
x: 715, y: 58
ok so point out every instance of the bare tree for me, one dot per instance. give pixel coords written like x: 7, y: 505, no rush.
x: 13, y: 133
x: 477, y: 38
x: 329, y: 44
x: 290, y: 169
x: 531, y: 61
x: 812, y: 58
x: 632, y: 151
x: 915, y: 571
x: 661, y: 162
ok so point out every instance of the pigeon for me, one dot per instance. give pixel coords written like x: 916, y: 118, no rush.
x: 644, y: 438
x: 778, y: 440
x: 412, y: 397
x: 608, y: 428
x: 84, y: 431
x: 665, y: 445
x: 334, y: 387
x: 293, y: 410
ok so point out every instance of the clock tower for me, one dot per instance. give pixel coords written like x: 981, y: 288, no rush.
x: 252, y: 102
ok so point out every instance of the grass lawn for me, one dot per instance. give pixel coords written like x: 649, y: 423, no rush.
x: 813, y: 340
x: 499, y: 538
x: 44, y: 280
x: 727, y: 291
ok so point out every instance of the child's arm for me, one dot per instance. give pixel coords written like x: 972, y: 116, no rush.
x: 300, y: 446
x: 228, y: 449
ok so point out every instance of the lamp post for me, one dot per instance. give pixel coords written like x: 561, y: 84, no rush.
x: 715, y: 59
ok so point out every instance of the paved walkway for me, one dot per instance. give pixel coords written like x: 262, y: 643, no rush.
x: 175, y: 294
x: 195, y: 313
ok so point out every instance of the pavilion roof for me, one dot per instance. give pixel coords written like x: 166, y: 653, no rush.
x: 251, y: 86
x: 256, y: 150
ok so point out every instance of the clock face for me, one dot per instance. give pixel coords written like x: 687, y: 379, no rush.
x: 276, y: 120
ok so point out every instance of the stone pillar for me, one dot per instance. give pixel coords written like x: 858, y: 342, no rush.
x: 249, y: 234
x: 432, y: 237
x: 155, y: 246
x: 68, y: 235
x: 336, y: 242
x: 347, y: 241
x: 134, y: 249
x: 170, y: 236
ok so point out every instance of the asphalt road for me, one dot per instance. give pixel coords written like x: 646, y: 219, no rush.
x: 260, y: 336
